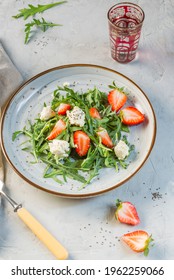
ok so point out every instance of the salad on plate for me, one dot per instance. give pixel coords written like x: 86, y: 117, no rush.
x: 79, y: 133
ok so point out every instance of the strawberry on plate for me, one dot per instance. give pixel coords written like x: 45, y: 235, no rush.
x: 82, y: 142
x: 105, y: 138
x: 63, y: 107
x: 117, y: 99
x: 94, y: 113
x: 138, y: 241
x: 131, y: 116
x: 126, y: 213
x: 57, y: 129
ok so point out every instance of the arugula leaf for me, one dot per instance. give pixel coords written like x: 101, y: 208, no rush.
x: 15, y: 134
x: 43, y: 25
x: 32, y: 10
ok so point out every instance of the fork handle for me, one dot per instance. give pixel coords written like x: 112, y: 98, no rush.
x: 50, y: 242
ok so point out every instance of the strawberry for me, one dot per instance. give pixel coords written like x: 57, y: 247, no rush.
x: 138, y: 241
x: 131, y: 116
x: 105, y: 138
x: 116, y: 99
x: 126, y: 213
x: 57, y: 129
x: 94, y: 113
x: 82, y: 142
x: 63, y: 107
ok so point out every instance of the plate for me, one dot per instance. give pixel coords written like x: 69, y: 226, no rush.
x: 27, y: 102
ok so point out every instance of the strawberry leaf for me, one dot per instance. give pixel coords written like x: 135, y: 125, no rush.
x: 118, y: 202
x: 114, y: 86
x: 146, y: 251
x: 149, y: 240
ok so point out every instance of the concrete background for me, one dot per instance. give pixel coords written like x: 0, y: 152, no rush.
x: 87, y: 227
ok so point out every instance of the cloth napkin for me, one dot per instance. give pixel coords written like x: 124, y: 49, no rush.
x: 10, y: 79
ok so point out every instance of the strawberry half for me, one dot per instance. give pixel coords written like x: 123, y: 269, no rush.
x: 105, y: 138
x: 116, y: 99
x: 82, y: 142
x: 57, y: 129
x: 126, y: 213
x: 138, y: 241
x: 63, y: 107
x: 131, y: 116
x: 94, y: 113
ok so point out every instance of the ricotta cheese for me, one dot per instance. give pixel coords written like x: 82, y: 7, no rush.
x: 47, y: 113
x: 121, y: 150
x: 59, y: 148
x: 76, y: 116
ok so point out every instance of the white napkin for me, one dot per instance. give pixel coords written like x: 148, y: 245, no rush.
x: 10, y: 78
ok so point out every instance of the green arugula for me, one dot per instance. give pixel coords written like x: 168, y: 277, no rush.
x: 43, y: 25
x: 32, y: 10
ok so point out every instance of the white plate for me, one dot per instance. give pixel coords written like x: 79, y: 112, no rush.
x: 28, y: 101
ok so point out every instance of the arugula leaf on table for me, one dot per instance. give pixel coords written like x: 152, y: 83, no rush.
x: 43, y: 25
x: 32, y: 10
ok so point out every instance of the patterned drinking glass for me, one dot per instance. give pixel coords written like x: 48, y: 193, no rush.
x: 125, y: 23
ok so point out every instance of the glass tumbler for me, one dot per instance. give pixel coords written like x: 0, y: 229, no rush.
x: 125, y: 23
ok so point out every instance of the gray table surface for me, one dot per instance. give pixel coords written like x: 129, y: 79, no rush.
x: 87, y: 227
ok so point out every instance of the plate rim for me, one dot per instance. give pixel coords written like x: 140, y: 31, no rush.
x: 35, y: 77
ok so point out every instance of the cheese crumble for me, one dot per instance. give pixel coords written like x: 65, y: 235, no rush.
x: 76, y: 116
x: 59, y: 148
x: 121, y: 150
x: 47, y: 113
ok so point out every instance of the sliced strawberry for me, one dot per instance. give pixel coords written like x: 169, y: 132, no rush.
x: 138, y: 241
x: 116, y: 99
x: 57, y: 129
x: 126, y: 213
x: 131, y: 116
x: 105, y: 138
x: 82, y: 142
x: 94, y: 113
x: 63, y: 107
